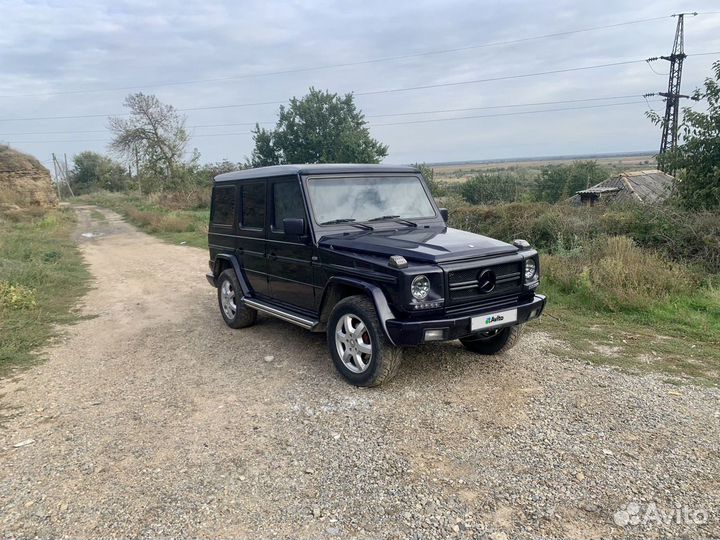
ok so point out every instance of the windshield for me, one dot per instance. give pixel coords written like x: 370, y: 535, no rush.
x: 365, y: 198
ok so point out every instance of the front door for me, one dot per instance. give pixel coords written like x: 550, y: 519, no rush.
x: 289, y: 259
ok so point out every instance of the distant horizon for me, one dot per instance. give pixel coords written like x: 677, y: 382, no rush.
x: 557, y: 157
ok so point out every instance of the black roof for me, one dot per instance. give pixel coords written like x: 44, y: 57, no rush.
x: 319, y: 168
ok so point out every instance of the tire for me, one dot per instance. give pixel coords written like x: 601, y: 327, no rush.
x: 370, y: 358
x: 501, y: 341
x: 234, y: 313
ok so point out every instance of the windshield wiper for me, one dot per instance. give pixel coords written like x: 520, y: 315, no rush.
x: 349, y: 221
x: 395, y: 218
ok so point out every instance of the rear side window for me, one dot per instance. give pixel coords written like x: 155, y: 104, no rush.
x: 287, y: 202
x: 223, y: 205
x: 253, y: 206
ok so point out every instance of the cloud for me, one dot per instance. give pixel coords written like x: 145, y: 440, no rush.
x: 63, y: 46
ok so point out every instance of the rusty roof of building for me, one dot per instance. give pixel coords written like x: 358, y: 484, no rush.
x: 651, y: 186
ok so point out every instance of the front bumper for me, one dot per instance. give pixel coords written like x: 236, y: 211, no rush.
x: 211, y: 279
x: 408, y: 333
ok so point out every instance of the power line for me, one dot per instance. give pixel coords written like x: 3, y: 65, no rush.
x: 411, y: 113
x: 537, y: 103
x: 346, y: 64
x: 518, y: 113
x: 510, y: 77
x: 502, y: 78
x: 366, y: 93
x: 425, y: 121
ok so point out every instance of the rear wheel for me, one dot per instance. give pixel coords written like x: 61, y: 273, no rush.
x: 358, y: 346
x: 494, y: 341
x: 234, y: 312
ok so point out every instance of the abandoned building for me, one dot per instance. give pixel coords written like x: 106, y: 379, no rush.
x: 648, y: 187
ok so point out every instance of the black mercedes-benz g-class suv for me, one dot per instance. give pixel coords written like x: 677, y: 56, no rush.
x: 363, y: 253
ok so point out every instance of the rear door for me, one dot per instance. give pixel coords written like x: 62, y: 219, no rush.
x: 250, y: 245
x: 290, y: 268
x: 221, y: 232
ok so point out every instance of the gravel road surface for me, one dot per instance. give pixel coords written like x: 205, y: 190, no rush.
x: 151, y: 418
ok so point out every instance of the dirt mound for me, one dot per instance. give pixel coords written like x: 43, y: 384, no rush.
x: 24, y: 182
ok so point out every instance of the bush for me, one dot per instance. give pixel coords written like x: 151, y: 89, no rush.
x: 558, y: 182
x: 616, y: 274
x: 490, y: 188
x: 680, y: 235
x: 194, y: 198
x: 92, y: 172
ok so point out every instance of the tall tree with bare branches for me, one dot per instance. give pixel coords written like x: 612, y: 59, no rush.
x: 153, y: 138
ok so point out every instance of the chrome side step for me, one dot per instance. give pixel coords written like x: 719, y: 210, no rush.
x: 303, y: 322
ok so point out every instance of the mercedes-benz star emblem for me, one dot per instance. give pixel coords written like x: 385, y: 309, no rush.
x: 486, y: 281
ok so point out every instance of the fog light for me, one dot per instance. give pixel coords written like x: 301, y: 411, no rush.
x: 434, y: 334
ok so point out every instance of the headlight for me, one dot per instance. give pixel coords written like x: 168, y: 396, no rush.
x: 530, y: 269
x: 420, y: 287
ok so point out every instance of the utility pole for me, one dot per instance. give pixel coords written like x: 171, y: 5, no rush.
x: 57, y: 176
x: 61, y: 173
x: 672, y: 97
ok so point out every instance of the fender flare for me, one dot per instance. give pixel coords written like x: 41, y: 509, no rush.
x: 233, y: 260
x: 375, y: 293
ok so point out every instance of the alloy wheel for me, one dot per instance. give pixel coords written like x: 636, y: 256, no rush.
x: 227, y: 299
x: 353, y: 343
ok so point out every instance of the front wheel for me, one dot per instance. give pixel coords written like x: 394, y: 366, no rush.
x: 234, y: 312
x: 358, y: 346
x: 493, y: 341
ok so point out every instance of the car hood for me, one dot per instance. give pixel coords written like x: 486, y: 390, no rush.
x: 432, y: 245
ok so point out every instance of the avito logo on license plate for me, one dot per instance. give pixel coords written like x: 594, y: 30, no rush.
x: 493, y: 319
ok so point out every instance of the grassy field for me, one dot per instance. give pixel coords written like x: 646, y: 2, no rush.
x: 679, y: 337
x: 459, y: 172
x: 42, y: 276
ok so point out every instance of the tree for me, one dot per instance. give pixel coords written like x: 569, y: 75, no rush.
x: 264, y: 153
x: 697, y: 158
x: 490, y: 188
x: 153, y: 138
x: 92, y: 171
x: 318, y: 128
x: 558, y: 182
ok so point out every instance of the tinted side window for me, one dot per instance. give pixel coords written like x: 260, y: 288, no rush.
x: 253, y: 206
x: 287, y: 203
x: 223, y: 205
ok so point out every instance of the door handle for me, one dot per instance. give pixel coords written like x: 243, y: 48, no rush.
x: 273, y: 256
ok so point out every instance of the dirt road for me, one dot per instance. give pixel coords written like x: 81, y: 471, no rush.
x: 152, y: 418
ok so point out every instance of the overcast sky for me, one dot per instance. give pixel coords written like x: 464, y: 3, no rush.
x: 75, y: 58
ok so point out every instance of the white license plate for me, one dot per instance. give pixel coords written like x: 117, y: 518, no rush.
x: 493, y: 319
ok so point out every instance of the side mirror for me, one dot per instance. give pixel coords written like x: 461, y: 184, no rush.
x: 444, y: 214
x: 294, y: 226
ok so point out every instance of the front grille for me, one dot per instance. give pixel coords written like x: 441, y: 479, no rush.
x: 493, y: 304
x: 465, y: 282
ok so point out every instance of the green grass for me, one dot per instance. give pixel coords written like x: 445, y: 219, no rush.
x: 679, y: 337
x: 174, y: 226
x: 42, y: 276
